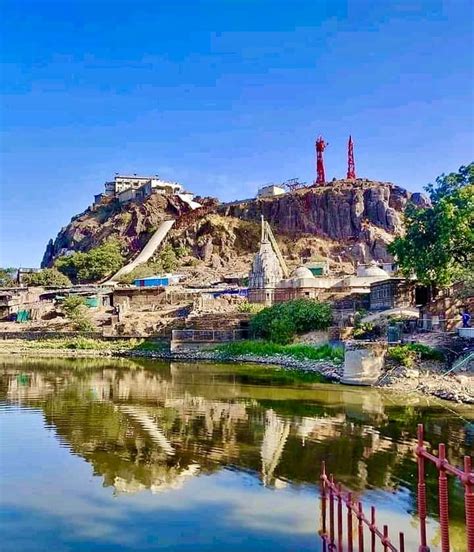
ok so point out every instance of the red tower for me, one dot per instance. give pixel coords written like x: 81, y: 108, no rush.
x: 351, y: 172
x: 320, y: 147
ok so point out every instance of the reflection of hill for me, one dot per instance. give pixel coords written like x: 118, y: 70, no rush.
x: 154, y: 428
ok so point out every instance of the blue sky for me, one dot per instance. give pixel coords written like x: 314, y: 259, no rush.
x: 224, y: 96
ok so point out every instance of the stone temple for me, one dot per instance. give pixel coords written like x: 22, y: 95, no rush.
x: 266, y: 271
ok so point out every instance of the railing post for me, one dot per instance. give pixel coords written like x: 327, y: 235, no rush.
x: 443, y: 499
x: 469, y: 503
x: 331, y: 514
x: 323, y: 501
x: 339, y: 519
x: 360, y: 515
x: 372, y: 529
x: 385, y: 538
x: 402, y: 542
x: 421, y: 495
x: 349, y: 523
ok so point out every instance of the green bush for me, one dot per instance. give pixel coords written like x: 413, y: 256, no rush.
x: 84, y: 343
x: 168, y: 258
x: 407, y: 354
x: 252, y: 308
x: 94, y: 265
x: 280, y: 323
x: 401, y: 355
x: 47, y: 277
x: 426, y: 352
x: 8, y: 277
x: 142, y: 271
x: 76, y: 310
x: 298, y: 351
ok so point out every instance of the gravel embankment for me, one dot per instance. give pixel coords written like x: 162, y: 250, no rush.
x: 431, y: 381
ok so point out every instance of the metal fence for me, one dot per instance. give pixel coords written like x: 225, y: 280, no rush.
x: 338, y: 534
x: 465, y: 476
x: 333, y: 501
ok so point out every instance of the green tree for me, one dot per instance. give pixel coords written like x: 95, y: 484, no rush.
x: 47, y: 277
x: 438, y: 244
x: 168, y: 258
x: 94, y: 265
x: 74, y: 307
x: 447, y: 184
x: 7, y: 277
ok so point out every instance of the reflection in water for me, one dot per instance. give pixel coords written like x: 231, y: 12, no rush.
x: 148, y: 426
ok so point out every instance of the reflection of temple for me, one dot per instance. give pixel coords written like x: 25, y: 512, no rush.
x: 154, y: 429
x: 274, y: 439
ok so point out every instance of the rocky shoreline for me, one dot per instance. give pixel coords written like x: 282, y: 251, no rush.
x: 455, y: 388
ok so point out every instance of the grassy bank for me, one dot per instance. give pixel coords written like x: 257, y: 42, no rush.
x: 262, y: 348
x: 85, y: 344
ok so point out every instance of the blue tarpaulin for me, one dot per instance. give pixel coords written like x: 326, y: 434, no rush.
x: 152, y: 281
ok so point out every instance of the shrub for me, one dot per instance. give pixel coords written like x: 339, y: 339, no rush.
x: 47, y: 277
x: 182, y: 251
x: 409, y: 353
x: 281, y: 322
x: 142, y: 271
x: 75, y: 309
x: 402, y: 355
x: 84, y: 343
x: 252, y: 308
x: 94, y: 265
x: 168, y: 258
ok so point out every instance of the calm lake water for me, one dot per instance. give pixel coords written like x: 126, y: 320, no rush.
x: 132, y: 455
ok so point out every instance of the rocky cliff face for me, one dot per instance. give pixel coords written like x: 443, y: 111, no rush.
x: 345, y: 221
x: 131, y: 223
x: 339, y: 211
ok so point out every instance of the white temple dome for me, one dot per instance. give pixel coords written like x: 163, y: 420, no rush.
x: 302, y: 272
x: 371, y: 271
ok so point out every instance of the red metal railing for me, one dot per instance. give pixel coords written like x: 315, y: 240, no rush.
x: 444, y: 468
x: 334, y: 500
x: 332, y: 530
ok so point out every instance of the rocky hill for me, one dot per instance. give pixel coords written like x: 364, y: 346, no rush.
x: 346, y: 221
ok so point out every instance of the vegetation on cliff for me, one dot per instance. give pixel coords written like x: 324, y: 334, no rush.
x: 438, y: 246
x: 166, y: 261
x: 94, y: 265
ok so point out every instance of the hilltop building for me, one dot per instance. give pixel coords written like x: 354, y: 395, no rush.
x: 271, y: 191
x: 127, y: 188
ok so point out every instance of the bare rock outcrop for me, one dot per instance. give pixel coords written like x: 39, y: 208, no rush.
x: 339, y: 210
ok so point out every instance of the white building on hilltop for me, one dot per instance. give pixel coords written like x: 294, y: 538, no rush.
x: 270, y: 191
x: 127, y: 188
